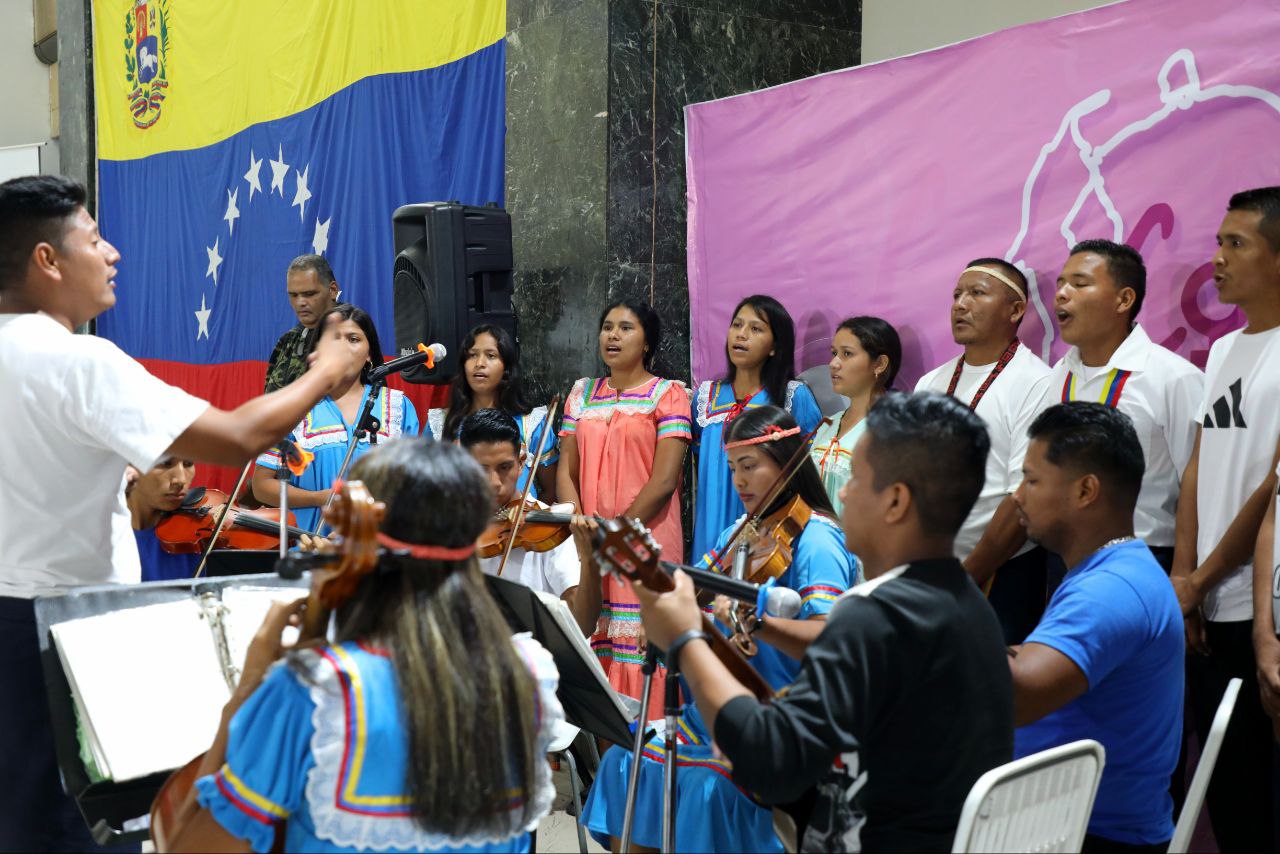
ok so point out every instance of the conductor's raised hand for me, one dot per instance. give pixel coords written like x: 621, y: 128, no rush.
x: 668, y: 615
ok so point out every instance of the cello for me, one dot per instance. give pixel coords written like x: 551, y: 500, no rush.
x: 356, y: 517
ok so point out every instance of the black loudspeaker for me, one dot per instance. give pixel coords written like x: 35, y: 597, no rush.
x: 452, y: 273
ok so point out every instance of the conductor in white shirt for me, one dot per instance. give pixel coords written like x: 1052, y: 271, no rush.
x: 1004, y: 383
x: 76, y: 410
x: 1112, y: 361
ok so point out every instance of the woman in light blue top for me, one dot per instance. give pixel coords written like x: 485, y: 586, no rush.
x: 760, y: 350
x: 423, y: 725
x: 865, y: 356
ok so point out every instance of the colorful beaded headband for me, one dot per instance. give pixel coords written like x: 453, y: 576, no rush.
x: 772, y: 433
x: 996, y: 274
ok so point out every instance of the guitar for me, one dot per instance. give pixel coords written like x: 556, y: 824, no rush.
x: 627, y: 549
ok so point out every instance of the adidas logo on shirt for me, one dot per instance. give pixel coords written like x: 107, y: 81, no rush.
x: 1226, y: 413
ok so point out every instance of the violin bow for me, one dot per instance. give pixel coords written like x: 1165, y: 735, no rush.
x: 222, y: 518
x: 533, y: 473
x: 788, y: 472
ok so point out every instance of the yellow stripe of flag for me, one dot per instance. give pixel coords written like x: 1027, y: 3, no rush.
x: 217, y: 67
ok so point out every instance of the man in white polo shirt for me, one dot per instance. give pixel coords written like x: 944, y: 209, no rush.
x: 1004, y: 383
x: 74, y: 411
x: 1113, y: 362
x: 1225, y: 490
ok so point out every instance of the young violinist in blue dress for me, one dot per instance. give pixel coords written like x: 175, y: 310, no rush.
x: 760, y: 351
x: 490, y: 379
x: 423, y: 726
x: 330, y: 425
x: 713, y: 813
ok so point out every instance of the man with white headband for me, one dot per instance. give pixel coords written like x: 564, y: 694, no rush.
x: 1004, y: 383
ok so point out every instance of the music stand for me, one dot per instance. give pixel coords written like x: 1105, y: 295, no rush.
x: 238, y: 562
x: 113, y: 811
x: 588, y: 701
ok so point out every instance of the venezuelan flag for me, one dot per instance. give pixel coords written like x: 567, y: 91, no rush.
x: 234, y: 135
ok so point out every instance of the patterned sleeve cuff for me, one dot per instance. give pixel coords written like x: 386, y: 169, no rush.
x: 817, y: 599
x: 568, y: 427
x: 269, y: 460
x: 675, y: 427
x: 239, y: 810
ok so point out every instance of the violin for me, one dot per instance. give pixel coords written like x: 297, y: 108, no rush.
x: 355, y: 518
x: 188, y: 529
x: 540, y: 530
x: 771, y: 540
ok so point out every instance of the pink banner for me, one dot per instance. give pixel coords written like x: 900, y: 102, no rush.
x: 865, y: 191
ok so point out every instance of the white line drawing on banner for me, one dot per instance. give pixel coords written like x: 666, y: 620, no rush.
x: 1183, y: 97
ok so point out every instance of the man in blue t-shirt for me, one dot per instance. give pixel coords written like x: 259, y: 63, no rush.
x: 1105, y: 662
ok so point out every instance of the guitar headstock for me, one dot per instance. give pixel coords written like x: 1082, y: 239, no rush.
x: 626, y: 548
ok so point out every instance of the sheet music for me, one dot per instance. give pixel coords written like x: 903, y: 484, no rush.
x: 147, y: 684
x: 564, y: 618
x: 246, y: 608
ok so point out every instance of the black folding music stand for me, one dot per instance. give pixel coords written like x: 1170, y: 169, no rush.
x: 114, y: 812
x: 587, y: 705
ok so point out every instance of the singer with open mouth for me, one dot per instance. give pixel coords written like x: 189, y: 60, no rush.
x: 758, y: 444
x: 330, y: 426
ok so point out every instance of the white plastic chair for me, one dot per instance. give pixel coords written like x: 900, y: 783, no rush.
x: 1204, y: 770
x: 1040, y: 803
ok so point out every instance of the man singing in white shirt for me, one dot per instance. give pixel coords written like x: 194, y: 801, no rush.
x: 1225, y: 491
x: 75, y: 411
x: 1004, y: 384
x: 1113, y: 362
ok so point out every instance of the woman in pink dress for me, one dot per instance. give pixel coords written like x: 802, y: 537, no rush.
x: 623, y: 440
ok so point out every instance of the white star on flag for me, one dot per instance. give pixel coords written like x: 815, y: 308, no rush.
x: 202, y: 317
x: 301, y: 194
x: 214, y: 261
x: 279, y: 171
x: 255, y: 183
x: 233, y: 212
x: 320, y: 242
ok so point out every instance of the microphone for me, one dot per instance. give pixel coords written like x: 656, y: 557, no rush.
x: 769, y: 599
x: 430, y: 355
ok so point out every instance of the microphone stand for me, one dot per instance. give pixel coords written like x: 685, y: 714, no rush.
x: 671, y: 714
x: 282, y: 478
x: 366, y: 424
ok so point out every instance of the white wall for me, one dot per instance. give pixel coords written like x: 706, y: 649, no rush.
x: 892, y: 28
x: 24, y: 90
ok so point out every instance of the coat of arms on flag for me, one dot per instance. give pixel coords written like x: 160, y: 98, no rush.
x: 146, y: 56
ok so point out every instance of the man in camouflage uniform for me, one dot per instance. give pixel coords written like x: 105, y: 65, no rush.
x: 312, y: 292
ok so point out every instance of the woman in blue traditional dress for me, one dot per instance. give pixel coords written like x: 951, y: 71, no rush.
x: 865, y: 356
x: 423, y: 726
x: 760, y: 351
x: 713, y: 814
x: 330, y: 425
x: 490, y: 379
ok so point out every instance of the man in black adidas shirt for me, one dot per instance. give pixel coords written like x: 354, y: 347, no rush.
x: 904, y: 699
